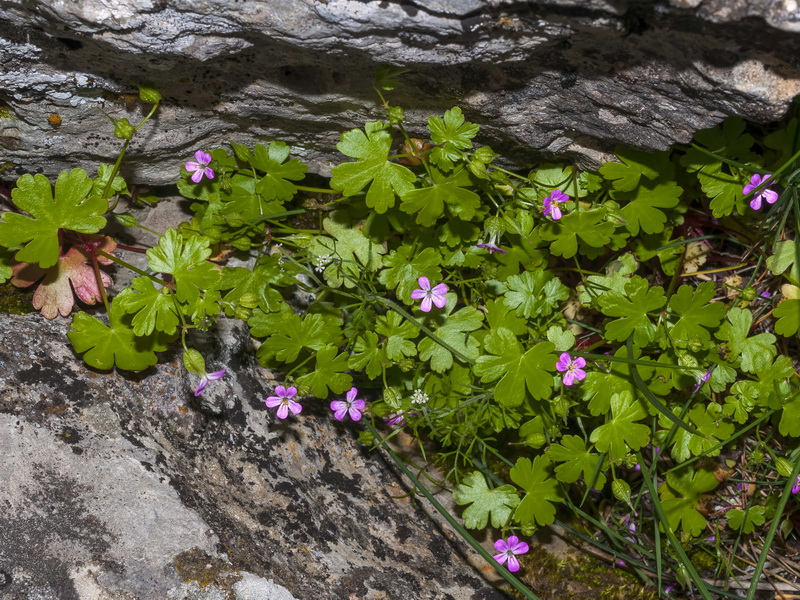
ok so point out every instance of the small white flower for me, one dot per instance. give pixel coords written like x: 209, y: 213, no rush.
x: 419, y: 397
x: 322, y: 262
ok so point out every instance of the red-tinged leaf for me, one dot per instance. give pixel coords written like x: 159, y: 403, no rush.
x: 72, y: 275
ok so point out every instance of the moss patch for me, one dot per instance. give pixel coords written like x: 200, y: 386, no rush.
x: 579, y: 577
x: 197, y: 565
x: 14, y: 301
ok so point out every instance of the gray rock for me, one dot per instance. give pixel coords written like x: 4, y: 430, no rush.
x: 114, y: 487
x: 565, y: 78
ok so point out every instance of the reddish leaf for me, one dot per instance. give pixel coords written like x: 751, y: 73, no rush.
x: 54, y: 295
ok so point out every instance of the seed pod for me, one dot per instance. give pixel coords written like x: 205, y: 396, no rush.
x: 416, y: 149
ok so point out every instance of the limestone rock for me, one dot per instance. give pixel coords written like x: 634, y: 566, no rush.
x: 565, y: 78
x: 113, y: 487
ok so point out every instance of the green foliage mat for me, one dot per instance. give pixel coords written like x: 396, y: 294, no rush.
x: 613, y: 349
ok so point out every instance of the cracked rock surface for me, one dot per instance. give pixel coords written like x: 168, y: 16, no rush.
x: 117, y: 486
x: 553, y: 78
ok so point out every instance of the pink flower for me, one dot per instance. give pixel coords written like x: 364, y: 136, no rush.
x: 395, y: 420
x: 508, y: 550
x: 796, y: 486
x: 352, y: 405
x: 551, y: 203
x: 206, y: 378
x: 574, y: 368
x: 492, y: 246
x: 703, y: 379
x: 284, y: 401
x: 429, y: 295
x: 200, y: 167
x: 765, y: 194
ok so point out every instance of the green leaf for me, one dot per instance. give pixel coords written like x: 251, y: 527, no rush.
x: 641, y: 206
x: 99, y: 184
x: 725, y: 191
x: 746, y: 520
x: 104, y: 346
x: 709, y: 422
x: 728, y: 140
x: 185, y: 259
x: 497, y: 503
x: 153, y: 309
x: 329, y: 373
x: 542, y: 491
x: 590, y: 226
x: 788, y: 315
x: 449, y: 190
x: 258, y: 283
x: 398, y: 333
x: 680, y: 495
x: 385, y: 76
x: 756, y: 352
x: 635, y: 164
x: 533, y: 294
x: 452, y: 134
x: 517, y: 371
x: 277, y: 183
x: 352, y: 251
x: 785, y: 259
x: 402, y: 272
x: 621, y: 432
x: 632, y: 308
x: 367, y: 353
x: 696, y: 313
x: 790, y: 417
x: 312, y: 332
x: 577, y: 461
x: 455, y: 332
x: 385, y: 179
x: 263, y: 324
x: 599, y: 386
x: 70, y: 209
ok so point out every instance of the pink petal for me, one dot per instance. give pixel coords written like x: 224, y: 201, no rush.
x: 359, y: 404
x: 512, y: 541
x: 439, y: 301
x: 440, y: 290
x: 580, y: 362
x: 355, y: 414
x: 579, y: 375
x: 202, y: 157
x: 272, y: 401
x: 424, y: 283
x: 501, y: 558
x: 283, y: 411
x: 520, y: 548
x: 291, y: 392
x: 351, y: 394
x: 216, y: 375
x: 295, y: 407
x: 192, y: 166
x: 770, y: 196
x: 280, y: 390
x: 198, y: 176
x: 501, y: 546
x: 418, y: 294
x: 513, y: 563
x: 556, y: 216
x: 755, y: 203
x: 425, y: 305
x: 201, y: 386
x: 563, y: 362
x: 569, y: 378
x: 209, y: 173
